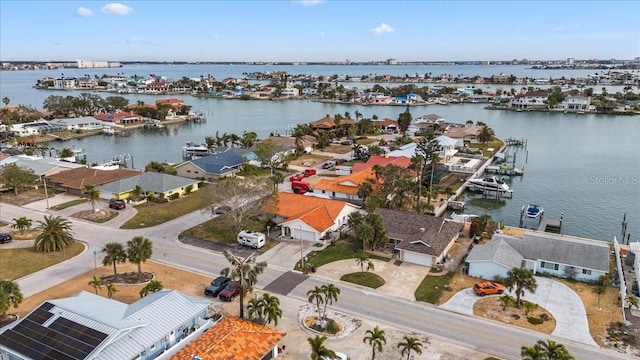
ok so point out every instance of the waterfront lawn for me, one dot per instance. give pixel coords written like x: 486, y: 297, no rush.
x: 364, y: 278
x: 221, y: 229
x: 432, y: 287
x: 17, y: 263
x: 152, y: 214
x: 69, y: 204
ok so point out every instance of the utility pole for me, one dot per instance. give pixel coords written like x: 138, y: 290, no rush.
x: 46, y: 195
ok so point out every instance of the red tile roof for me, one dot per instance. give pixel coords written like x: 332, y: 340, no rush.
x: 316, y: 212
x: 347, y: 184
x: 116, y: 116
x: 232, y: 339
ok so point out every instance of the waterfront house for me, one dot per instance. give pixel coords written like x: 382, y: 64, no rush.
x: 575, y: 104
x: 74, y: 181
x: 33, y: 128
x: 288, y: 144
x: 212, y: 167
x: 447, y: 150
x: 540, y: 252
x: 382, y: 160
x: 534, y: 100
x: 467, y: 134
x: 119, y: 117
x: 68, y: 83
x: 159, y: 184
x: 173, y: 102
x: 417, y: 238
x: 329, y: 123
x: 344, y: 187
x: 156, y: 87
x: 79, y: 123
x: 88, y: 326
x: 306, y: 217
x: 379, y: 99
x: 234, y: 338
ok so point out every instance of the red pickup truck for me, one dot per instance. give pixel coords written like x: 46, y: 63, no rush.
x: 300, y: 187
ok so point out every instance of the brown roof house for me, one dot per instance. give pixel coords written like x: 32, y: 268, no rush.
x: 73, y: 181
x: 329, y: 123
x: 420, y: 239
x: 233, y: 338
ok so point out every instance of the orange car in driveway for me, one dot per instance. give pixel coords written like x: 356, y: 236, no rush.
x: 483, y: 288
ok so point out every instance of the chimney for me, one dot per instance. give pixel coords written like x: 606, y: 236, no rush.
x: 422, y: 229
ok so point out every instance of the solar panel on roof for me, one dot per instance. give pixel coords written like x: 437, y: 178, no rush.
x: 46, y: 306
x: 78, y: 331
x: 40, y: 316
x: 30, y: 348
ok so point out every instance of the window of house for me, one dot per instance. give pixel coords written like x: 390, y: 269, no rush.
x: 586, y: 271
x: 188, y: 171
x: 549, y: 265
x: 153, y: 346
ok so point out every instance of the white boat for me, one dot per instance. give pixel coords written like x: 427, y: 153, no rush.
x: 192, y: 149
x: 532, y: 211
x: 490, y: 183
x: 108, y: 130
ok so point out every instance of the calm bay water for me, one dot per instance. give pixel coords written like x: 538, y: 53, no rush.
x: 585, y: 166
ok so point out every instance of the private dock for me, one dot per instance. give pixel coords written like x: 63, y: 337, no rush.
x: 551, y: 225
x: 504, y: 170
x: 516, y: 142
x: 455, y: 205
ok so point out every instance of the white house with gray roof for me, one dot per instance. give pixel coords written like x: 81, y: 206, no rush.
x: 149, y: 182
x: 88, y: 326
x: 563, y: 256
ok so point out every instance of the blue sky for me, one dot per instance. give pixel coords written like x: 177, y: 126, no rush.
x: 316, y: 30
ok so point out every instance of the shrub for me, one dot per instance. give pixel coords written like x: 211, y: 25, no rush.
x: 174, y: 196
x: 332, y: 327
x: 534, y: 320
x: 544, y: 317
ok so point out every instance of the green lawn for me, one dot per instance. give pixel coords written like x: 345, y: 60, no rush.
x: 367, y: 279
x: 152, y: 214
x: 432, y: 287
x: 340, y: 250
x: 221, y: 230
x: 17, y: 263
x: 69, y: 204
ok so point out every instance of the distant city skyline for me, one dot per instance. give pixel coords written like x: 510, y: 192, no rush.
x: 318, y: 30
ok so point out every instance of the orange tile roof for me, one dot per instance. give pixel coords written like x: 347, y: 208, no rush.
x: 232, y: 339
x: 347, y: 184
x: 316, y: 212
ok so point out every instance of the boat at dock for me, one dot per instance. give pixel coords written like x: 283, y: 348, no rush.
x: 463, y: 218
x: 192, y: 149
x: 505, y: 169
x: 490, y: 183
x: 532, y: 211
x: 108, y: 130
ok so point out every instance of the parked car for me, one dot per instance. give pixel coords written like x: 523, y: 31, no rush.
x: 5, y: 238
x: 117, y: 204
x: 230, y: 291
x: 216, y: 286
x: 296, y: 177
x: 346, y: 142
x: 483, y: 288
x: 329, y: 164
x: 309, y: 172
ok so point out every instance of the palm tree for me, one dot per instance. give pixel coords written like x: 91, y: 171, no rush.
x: 410, y: 344
x: 264, y: 310
x: 151, y: 287
x: 331, y: 293
x: 96, y: 283
x: 245, y: 271
x: 361, y: 259
x: 22, y: 224
x: 505, y: 300
x: 114, y: 253
x: 521, y: 279
x: 10, y: 295
x: 6, y: 101
x: 55, y: 234
x: 532, y: 352
x: 139, y: 250
x: 92, y: 194
x: 318, y: 350
x: 316, y: 295
x: 112, y: 289
x: 486, y: 134
x: 554, y: 350
x: 375, y: 338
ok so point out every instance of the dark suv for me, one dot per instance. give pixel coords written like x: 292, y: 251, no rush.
x: 216, y: 286
x: 5, y: 238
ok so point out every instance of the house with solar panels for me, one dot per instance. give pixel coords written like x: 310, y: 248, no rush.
x: 88, y: 326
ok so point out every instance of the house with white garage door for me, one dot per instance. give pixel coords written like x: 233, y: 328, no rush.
x: 541, y: 252
x: 308, y: 218
x: 420, y: 239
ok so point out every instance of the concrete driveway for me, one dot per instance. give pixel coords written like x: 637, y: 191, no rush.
x: 560, y: 300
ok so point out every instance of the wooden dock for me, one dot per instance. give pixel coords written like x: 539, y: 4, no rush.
x: 504, y: 170
x: 516, y: 142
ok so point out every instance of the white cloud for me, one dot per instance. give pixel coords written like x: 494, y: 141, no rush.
x: 566, y: 27
x: 309, y: 2
x: 116, y: 9
x: 382, y: 29
x: 84, y: 12
x: 321, y: 34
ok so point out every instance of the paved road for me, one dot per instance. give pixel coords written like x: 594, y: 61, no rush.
x: 487, y: 336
